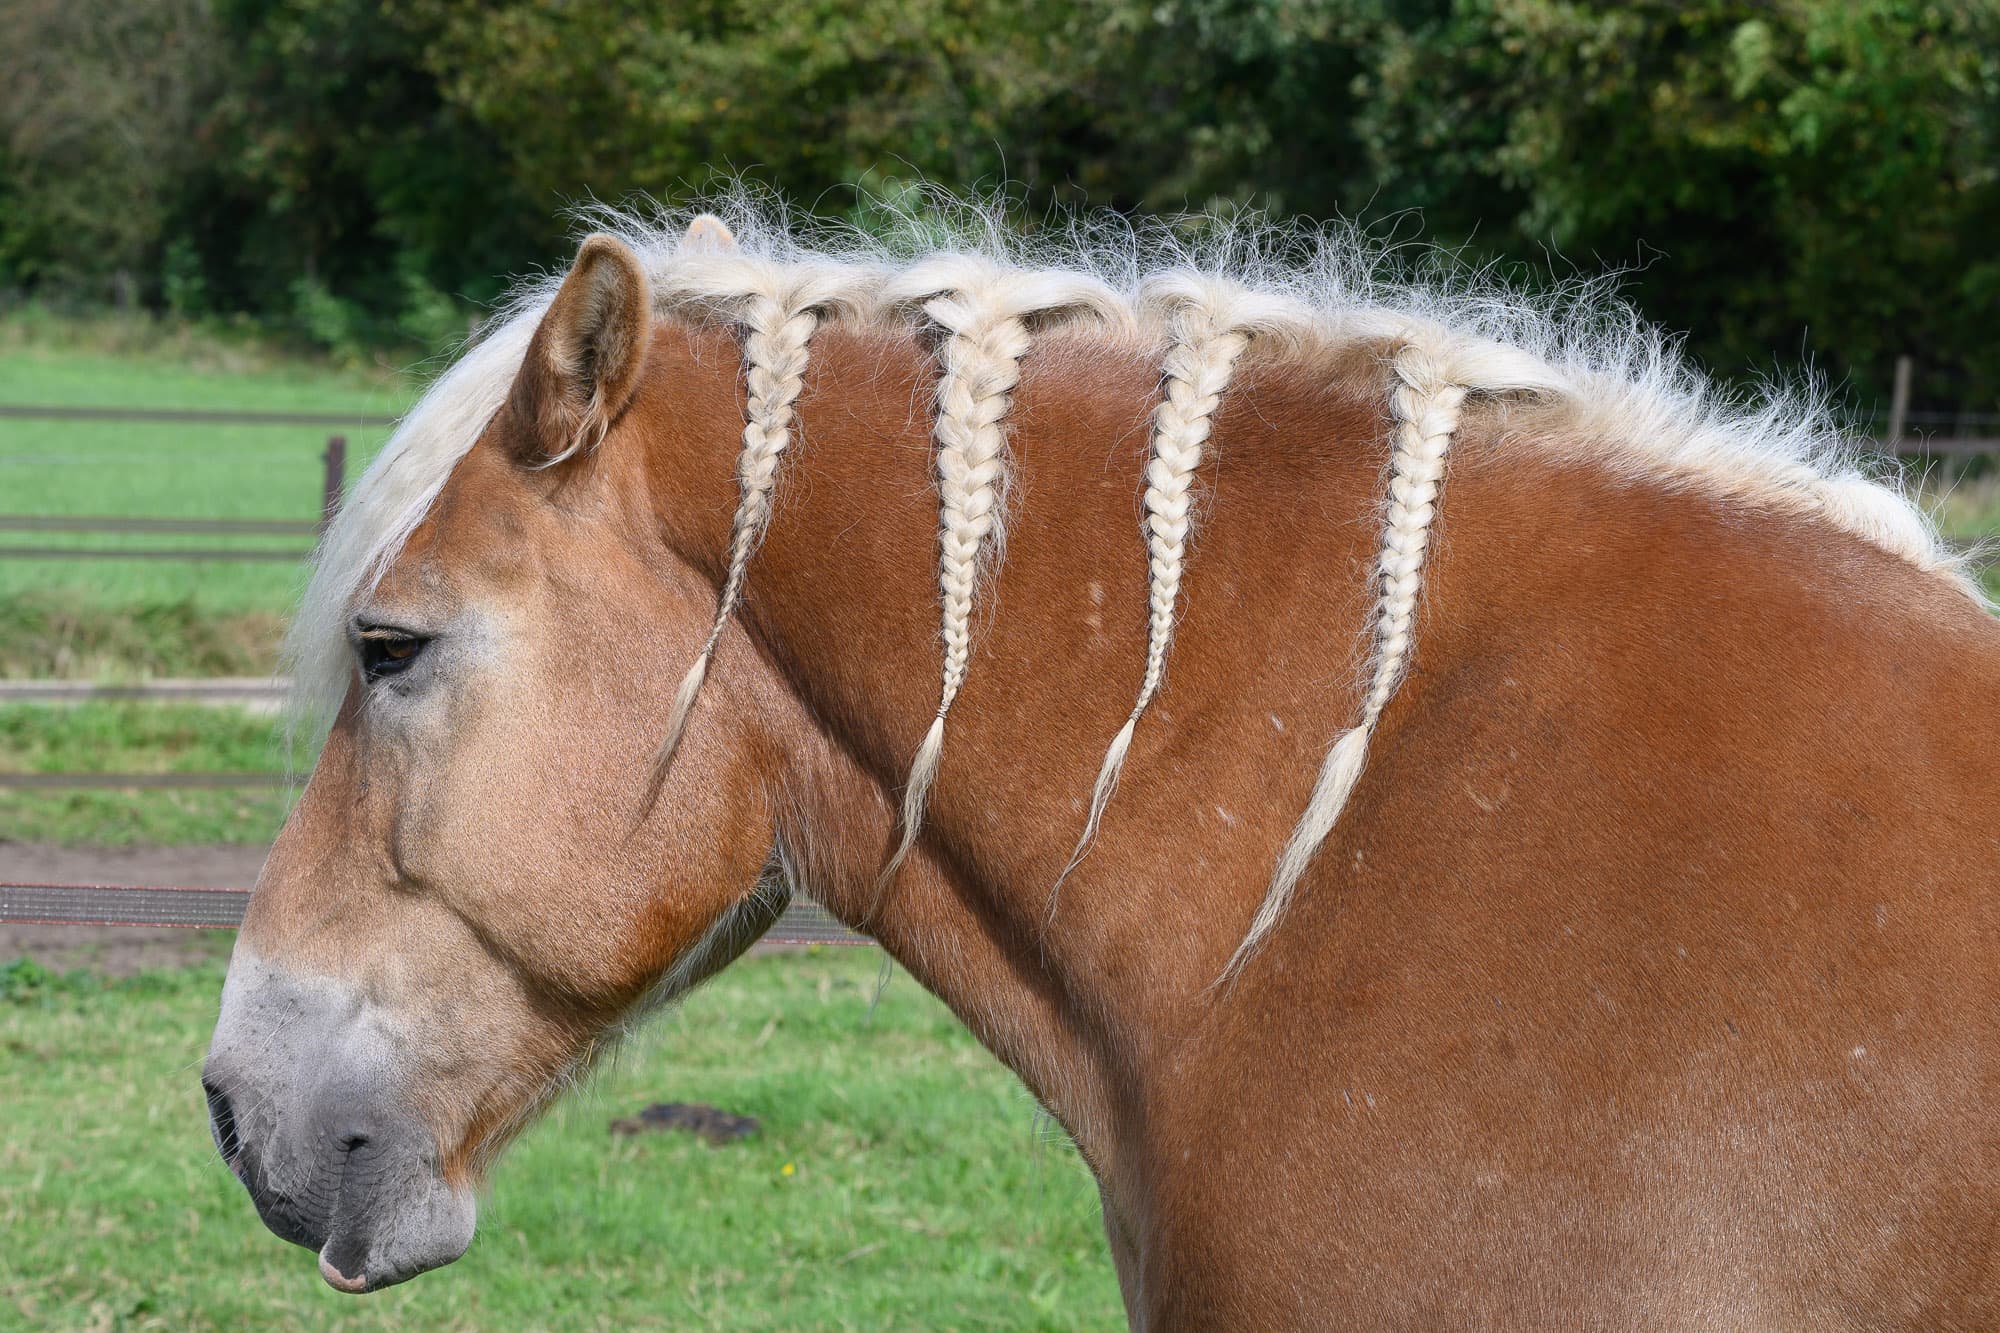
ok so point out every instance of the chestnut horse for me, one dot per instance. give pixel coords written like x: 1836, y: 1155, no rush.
x: 1461, y: 825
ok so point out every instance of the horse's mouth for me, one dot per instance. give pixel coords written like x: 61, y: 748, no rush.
x: 374, y: 1213
x: 318, y: 1133
x: 340, y: 1281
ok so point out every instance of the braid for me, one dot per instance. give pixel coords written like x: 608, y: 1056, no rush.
x: 774, y: 360
x: 981, y: 359
x: 981, y: 367
x: 1429, y: 415
x: 1197, y: 369
x: 1426, y: 403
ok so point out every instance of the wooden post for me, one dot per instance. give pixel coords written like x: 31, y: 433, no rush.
x: 1899, y: 402
x: 335, y: 459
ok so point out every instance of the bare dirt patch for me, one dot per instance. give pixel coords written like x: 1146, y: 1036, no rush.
x: 122, y: 950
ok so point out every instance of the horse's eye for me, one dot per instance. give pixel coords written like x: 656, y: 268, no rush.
x: 384, y: 653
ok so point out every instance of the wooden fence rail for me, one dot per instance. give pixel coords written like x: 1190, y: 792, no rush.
x: 176, y: 416
x: 1911, y: 446
x: 333, y: 482
x: 191, y: 554
x: 204, y: 527
x: 264, y: 692
x: 100, y: 525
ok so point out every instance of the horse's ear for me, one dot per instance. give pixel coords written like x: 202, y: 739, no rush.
x: 584, y: 362
x: 710, y: 234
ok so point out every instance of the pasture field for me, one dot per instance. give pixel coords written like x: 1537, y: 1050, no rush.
x: 51, y: 633
x: 142, y: 738
x: 170, y: 470
x: 900, y: 1179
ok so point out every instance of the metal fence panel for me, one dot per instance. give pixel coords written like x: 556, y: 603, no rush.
x: 804, y: 922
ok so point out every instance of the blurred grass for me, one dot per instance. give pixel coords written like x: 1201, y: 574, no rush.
x: 45, y: 635
x: 900, y: 1178
x: 116, y: 818
x: 135, y: 738
x: 155, y: 351
x: 141, y: 738
x: 126, y: 469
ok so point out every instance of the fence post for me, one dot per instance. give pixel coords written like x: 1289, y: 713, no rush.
x: 335, y: 458
x: 1899, y: 402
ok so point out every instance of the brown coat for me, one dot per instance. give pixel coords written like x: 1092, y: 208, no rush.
x: 1647, y: 980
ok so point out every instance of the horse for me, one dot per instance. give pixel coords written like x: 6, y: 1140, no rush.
x: 1462, y: 821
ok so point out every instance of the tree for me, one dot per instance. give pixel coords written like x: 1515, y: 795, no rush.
x: 1795, y: 169
x: 100, y: 104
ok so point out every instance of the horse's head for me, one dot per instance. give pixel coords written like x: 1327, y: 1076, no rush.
x: 482, y: 875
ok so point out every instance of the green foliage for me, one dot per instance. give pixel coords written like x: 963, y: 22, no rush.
x: 183, y: 287
x: 344, y: 164
x: 428, y: 317
x: 326, y: 320
x: 652, y: 97
x: 99, y: 105
x: 1781, y: 168
x: 25, y: 982
x: 1784, y: 173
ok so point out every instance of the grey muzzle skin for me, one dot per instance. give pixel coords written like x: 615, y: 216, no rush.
x: 304, y: 1083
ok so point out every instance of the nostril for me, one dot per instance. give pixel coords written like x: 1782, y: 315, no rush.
x: 222, y: 1120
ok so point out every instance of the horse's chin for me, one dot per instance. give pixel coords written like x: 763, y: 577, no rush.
x: 369, y: 1253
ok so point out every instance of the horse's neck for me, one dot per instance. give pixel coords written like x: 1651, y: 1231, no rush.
x: 843, y: 598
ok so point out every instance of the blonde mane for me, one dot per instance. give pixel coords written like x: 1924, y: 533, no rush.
x: 986, y: 293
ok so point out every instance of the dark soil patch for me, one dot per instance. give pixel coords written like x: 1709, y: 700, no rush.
x: 717, y: 1126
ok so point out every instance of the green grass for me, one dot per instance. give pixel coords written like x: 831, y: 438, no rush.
x: 901, y: 1178
x: 146, y: 470
x: 114, y: 818
x: 44, y: 635
x: 136, y: 738
x: 238, y: 346
x: 140, y: 738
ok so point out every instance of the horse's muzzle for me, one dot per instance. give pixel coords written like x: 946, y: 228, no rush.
x: 302, y: 1102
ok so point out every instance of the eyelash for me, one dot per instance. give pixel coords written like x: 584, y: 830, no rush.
x: 388, y: 652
